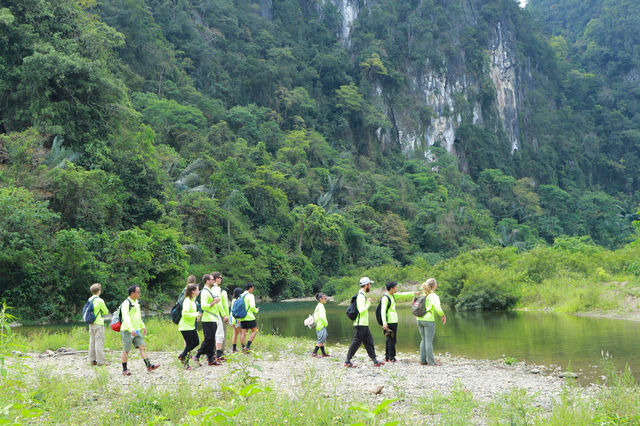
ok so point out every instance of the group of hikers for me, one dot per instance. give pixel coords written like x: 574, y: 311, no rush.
x: 210, y: 306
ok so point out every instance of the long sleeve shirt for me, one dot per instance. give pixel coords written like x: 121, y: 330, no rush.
x: 209, y: 313
x: 99, y: 309
x: 363, y: 308
x: 131, y: 316
x: 390, y: 316
x: 432, y: 303
x: 189, y: 315
x: 250, y: 305
x: 320, y: 317
x: 223, y: 306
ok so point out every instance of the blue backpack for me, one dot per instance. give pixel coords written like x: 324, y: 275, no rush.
x: 239, y: 310
x: 88, y: 315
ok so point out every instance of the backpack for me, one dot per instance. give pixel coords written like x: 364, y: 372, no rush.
x: 352, y: 309
x: 88, y: 315
x: 418, y: 307
x: 176, y: 310
x: 379, y: 309
x: 116, y: 319
x: 239, y: 310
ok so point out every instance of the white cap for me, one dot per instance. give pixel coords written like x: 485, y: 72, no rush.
x: 364, y: 281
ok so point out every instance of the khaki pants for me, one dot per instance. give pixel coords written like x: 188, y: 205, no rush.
x: 96, y: 343
x: 221, y: 333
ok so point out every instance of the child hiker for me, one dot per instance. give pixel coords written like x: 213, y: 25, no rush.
x: 320, y: 317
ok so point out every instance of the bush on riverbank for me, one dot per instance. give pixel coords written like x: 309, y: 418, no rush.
x: 573, y: 275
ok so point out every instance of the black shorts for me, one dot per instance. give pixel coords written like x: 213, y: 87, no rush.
x: 247, y: 325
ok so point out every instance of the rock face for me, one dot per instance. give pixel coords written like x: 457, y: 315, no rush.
x: 453, y: 95
x: 503, y: 75
x: 349, y: 12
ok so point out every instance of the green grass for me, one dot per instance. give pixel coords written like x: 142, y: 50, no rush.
x: 162, y: 335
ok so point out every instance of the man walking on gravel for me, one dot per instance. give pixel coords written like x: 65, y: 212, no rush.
x: 223, y: 315
x: 133, y: 329
x: 209, y: 320
x: 361, y: 332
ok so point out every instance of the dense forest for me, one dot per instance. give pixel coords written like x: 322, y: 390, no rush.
x: 145, y: 140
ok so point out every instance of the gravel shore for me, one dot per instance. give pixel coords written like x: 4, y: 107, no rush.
x: 288, y: 372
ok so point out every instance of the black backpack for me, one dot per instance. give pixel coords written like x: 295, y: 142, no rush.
x: 176, y: 311
x: 352, y: 309
x: 379, y: 309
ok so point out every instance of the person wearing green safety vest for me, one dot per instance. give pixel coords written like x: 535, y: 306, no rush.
x: 96, y: 329
x: 209, y: 305
x: 390, y: 320
x: 223, y: 315
x: 249, y: 321
x: 361, y: 332
x: 427, y: 323
x: 132, y: 330
x: 187, y: 324
x: 320, y: 318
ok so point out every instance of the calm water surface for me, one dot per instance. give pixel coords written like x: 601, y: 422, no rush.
x: 534, y: 337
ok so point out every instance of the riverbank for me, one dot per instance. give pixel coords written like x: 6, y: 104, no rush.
x: 280, y: 383
x: 291, y: 375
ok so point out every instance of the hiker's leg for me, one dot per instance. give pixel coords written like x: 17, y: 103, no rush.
x: 423, y: 345
x: 393, y: 340
x: 367, y: 339
x: 430, y: 331
x: 99, y: 345
x: 355, y: 343
x: 92, y: 343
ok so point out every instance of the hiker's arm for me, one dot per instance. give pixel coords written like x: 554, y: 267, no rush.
x: 252, y: 304
x: 126, y: 320
x: 102, y: 308
x: 436, y: 306
x: 362, y: 303
x: 187, y: 309
x: 383, y: 310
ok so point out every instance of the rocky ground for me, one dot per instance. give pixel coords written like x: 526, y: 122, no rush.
x: 290, y: 373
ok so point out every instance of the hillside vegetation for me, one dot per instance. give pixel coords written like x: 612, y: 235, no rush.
x: 144, y: 140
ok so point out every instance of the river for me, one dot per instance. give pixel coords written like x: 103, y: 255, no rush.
x: 534, y: 337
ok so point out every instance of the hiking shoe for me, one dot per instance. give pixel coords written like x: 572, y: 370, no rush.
x: 349, y: 365
x: 315, y: 355
x: 152, y: 367
x: 126, y: 372
x: 180, y: 358
x: 94, y: 362
x: 325, y: 355
x: 234, y: 351
x: 197, y: 361
x: 214, y: 363
x: 221, y: 358
x: 391, y: 360
x: 246, y: 351
x: 378, y: 364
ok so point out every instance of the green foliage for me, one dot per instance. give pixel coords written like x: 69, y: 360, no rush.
x: 170, y: 136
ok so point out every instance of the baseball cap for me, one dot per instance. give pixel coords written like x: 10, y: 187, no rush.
x: 364, y: 281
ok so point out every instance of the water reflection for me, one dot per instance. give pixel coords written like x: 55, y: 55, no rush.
x: 535, y: 337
